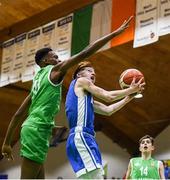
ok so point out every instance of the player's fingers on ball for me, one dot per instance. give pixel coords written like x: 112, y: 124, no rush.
x: 141, y: 79
x: 133, y: 81
x: 142, y: 89
x: 143, y: 84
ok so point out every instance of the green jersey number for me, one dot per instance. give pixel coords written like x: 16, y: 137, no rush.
x: 36, y: 86
x: 144, y: 171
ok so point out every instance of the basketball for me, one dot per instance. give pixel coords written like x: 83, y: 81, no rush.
x: 127, y: 76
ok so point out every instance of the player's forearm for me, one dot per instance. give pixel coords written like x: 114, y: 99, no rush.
x: 102, y: 41
x: 117, y: 106
x: 119, y: 94
x: 91, y: 49
x: 16, y: 120
x: 18, y: 117
x: 11, y: 129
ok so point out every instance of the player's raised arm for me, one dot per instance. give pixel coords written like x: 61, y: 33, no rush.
x: 108, y: 96
x: 88, y: 51
x: 18, y: 117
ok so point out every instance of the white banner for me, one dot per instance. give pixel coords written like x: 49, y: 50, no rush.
x: 63, y: 34
x: 7, y: 60
x: 33, y: 44
x: 48, y: 36
x: 164, y: 17
x: 19, y: 57
x: 146, y: 22
x: 101, y: 21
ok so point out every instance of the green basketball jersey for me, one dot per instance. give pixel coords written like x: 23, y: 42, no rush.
x: 45, y: 99
x: 144, y: 169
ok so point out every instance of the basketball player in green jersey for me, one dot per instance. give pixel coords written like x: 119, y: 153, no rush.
x: 145, y: 167
x: 40, y: 107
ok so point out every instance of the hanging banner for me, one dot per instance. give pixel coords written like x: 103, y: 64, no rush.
x: 48, y: 36
x: 101, y: 21
x: 146, y: 22
x: 19, y: 57
x: 164, y: 17
x: 33, y: 44
x: 63, y: 35
x: 81, y: 29
x: 121, y: 11
x: 7, y: 60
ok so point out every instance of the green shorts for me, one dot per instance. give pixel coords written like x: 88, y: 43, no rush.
x: 35, y: 143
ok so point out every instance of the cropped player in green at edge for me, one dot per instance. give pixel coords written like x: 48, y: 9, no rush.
x: 145, y: 167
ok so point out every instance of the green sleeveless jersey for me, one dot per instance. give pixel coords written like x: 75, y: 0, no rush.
x: 45, y: 100
x: 144, y: 169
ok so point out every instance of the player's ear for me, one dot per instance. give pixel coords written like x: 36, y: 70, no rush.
x: 78, y: 75
x: 45, y: 60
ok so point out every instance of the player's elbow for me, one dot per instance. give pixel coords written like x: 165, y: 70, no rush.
x: 108, y: 112
x: 111, y: 98
x: 18, y: 114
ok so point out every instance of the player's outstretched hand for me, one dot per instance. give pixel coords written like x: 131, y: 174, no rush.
x: 7, y: 152
x: 125, y: 25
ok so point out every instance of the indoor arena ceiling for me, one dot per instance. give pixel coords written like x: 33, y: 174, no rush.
x: 148, y: 115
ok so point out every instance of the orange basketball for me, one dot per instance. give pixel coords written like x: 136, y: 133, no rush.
x: 127, y: 76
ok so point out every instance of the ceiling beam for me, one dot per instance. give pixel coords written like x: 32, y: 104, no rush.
x: 44, y: 17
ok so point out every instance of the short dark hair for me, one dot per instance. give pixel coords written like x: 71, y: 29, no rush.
x: 80, y: 67
x: 41, y: 53
x: 147, y: 137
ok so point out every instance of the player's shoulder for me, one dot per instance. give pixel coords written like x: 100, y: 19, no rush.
x: 135, y: 160
x: 156, y: 160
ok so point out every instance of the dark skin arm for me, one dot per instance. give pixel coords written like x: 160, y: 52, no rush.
x: 59, y: 70
x: 18, y: 118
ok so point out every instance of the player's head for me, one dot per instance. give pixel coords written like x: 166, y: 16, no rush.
x: 146, y: 144
x: 46, y: 56
x: 85, y: 69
